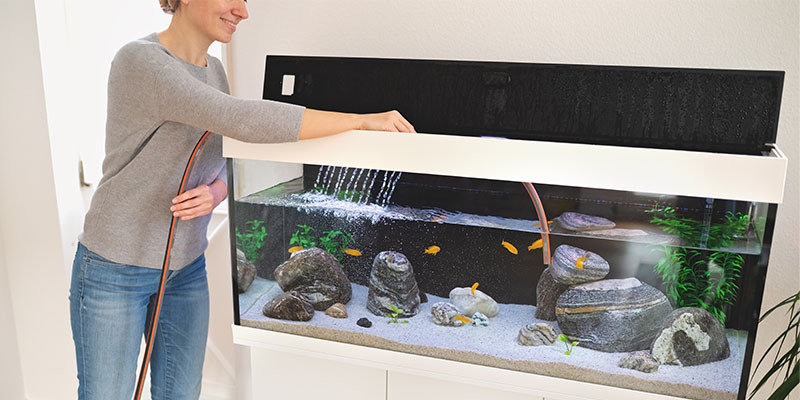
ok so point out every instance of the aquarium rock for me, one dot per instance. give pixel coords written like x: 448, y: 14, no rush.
x: 469, y: 304
x: 581, y: 222
x: 565, y: 271
x: 364, y: 322
x: 337, y: 310
x: 423, y: 298
x: 292, y: 306
x: 392, y: 283
x: 537, y: 334
x: 690, y: 336
x: 245, y: 272
x: 613, y: 315
x: 641, y: 361
x: 479, y: 319
x: 547, y: 292
x: 445, y: 314
x: 316, y: 274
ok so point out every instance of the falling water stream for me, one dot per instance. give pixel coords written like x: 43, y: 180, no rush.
x: 342, y: 182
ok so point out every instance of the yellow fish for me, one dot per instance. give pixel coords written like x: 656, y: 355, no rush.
x: 463, y: 319
x: 539, y: 223
x: 432, y: 250
x: 579, y: 262
x: 510, y: 247
x: 474, y: 286
x: 438, y: 219
x: 535, y: 245
x: 352, y: 252
x: 295, y: 249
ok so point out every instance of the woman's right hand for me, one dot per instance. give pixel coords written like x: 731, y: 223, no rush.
x: 390, y: 121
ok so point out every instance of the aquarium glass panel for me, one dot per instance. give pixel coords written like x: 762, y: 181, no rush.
x: 651, y: 292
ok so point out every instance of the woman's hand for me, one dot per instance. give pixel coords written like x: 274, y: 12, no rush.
x: 199, y: 201
x: 390, y: 121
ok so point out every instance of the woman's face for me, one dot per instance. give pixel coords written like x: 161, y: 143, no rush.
x: 216, y: 18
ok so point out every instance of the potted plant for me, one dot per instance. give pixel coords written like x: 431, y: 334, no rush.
x: 787, y: 359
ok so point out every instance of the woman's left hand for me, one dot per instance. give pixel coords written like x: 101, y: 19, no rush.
x: 198, y: 201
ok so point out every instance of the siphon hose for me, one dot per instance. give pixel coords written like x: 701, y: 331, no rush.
x: 545, y: 229
x: 157, y: 308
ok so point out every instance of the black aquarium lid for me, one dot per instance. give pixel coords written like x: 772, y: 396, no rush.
x: 729, y: 111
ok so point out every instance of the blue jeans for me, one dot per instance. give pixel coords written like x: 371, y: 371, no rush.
x: 110, y: 304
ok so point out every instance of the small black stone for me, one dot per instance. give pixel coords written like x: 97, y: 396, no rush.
x: 364, y: 323
x: 423, y: 298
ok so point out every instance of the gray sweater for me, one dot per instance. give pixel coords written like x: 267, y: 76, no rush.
x: 158, y: 108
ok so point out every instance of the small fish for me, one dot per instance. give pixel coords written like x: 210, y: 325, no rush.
x: 432, y: 250
x: 510, y: 247
x: 582, y: 259
x: 438, y: 219
x: 352, y: 252
x: 474, y: 286
x: 295, y: 249
x: 463, y: 319
x: 539, y: 223
x: 535, y: 245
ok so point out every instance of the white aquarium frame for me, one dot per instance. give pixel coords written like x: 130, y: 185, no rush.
x: 670, y: 172
x: 643, y: 170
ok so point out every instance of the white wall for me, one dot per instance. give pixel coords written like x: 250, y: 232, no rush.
x: 729, y: 34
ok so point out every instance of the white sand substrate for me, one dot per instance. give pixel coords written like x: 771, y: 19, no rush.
x: 497, y: 346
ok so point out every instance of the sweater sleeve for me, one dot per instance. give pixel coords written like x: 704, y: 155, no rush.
x: 180, y: 97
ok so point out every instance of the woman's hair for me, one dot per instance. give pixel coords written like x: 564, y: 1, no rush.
x: 169, y: 6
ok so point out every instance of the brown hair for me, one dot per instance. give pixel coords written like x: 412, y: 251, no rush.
x: 169, y: 6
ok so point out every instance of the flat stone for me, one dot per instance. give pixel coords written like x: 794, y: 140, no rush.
x: 316, y: 274
x: 392, y: 283
x: 564, y: 270
x: 445, y: 314
x: 613, y: 315
x: 245, y: 272
x: 337, y: 310
x: 364, y: 323
x: 690, y: 336
x: 291, y: 306
x: 547, y: 292
x: 641, y: 361
x: 581, y: 222
x: 537, y: 334
x: 469, y: 304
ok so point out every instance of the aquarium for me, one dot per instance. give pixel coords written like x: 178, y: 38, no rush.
x: 605, y: 262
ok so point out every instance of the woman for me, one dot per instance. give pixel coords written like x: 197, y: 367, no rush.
x: 164, y: 92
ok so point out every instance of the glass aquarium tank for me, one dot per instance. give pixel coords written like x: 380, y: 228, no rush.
x: 627, y: 266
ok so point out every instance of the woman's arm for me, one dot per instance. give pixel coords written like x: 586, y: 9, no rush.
x: 199, y: 201
x: 318, y: 123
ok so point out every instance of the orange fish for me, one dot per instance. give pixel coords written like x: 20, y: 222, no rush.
x: 295, y: 249
x: 438, y: 219
x: 474, y: 286
x: 535, y: 245
x: 579, y: 262
x: 432, y: 250
x: 510, y: 247
x: 463, y: 319
x: 539, y: 223
x: 352, y: 252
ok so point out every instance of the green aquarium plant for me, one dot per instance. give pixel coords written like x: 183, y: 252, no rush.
x: 783, y: 360
x: 251, y: 240
x: 394, y: 314
x: 692, y: 278
x: 335, y: 242
x: 570, y: 345
x: 303, y: 237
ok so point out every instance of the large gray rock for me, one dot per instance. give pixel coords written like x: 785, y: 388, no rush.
x: 315, y: 274
x: 245, y: 272
x: 392, y: 283
x: 581, y: 222
x: 291, y: 306
x: 469, y: 303
x: 613, y: 315
x: 547, y: 292
x: 690, y: 336
x: 564, y: 268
